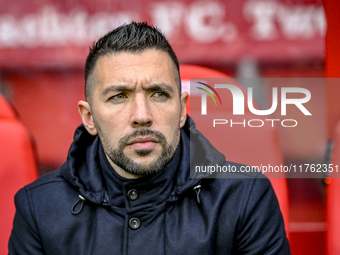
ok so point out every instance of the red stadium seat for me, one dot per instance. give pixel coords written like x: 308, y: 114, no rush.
x: 6, y: 110
x: 246, y: 145
x: 333, y: 200
x: 18, y: 166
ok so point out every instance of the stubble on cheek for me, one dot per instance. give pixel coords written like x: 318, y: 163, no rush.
x: 130, y: 165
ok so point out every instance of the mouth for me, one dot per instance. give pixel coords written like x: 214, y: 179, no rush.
x: 142, y: 143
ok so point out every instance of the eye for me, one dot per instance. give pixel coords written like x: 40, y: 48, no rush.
x: 118, y: 97
x: 161, y: 95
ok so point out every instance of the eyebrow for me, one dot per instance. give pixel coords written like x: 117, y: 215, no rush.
x: 115, y: 88
x: 160, y: 86
x: 118, y: 88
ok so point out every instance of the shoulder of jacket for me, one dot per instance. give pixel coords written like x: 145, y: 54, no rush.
x: 44, y: 192
x: 239, y: 175
x: 46, y: 179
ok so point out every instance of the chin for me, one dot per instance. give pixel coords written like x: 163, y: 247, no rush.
x: 145, y: 162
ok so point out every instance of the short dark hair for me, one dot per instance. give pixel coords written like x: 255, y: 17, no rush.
x: 135, y: 37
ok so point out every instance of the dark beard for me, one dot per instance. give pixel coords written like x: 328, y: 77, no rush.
x: 119, y: 158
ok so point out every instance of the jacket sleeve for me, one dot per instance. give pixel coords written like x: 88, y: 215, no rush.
x: 261, y: 227
x: 24, y: 237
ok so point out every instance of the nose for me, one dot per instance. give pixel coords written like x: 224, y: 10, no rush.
x: 141, y: 116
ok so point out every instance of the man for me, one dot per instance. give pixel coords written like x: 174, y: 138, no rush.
x: 125, y: 187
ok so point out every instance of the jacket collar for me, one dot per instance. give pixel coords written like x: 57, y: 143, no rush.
x: 83, y: 168
x: 151, y: 189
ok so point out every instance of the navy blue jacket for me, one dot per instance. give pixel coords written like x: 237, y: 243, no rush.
x: 86, y: 208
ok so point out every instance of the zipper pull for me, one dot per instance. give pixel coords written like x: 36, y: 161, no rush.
x: 82, y: 200
x: 197, y: 189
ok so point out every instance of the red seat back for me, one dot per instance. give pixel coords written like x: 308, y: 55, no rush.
x: 333, y: 200
x: 18, y: 167
x: 246, y: 145
x: 6, y: 110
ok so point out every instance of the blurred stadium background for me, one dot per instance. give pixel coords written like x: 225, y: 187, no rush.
x: 44, y: 44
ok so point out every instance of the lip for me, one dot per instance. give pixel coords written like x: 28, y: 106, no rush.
x: 143, y: 142
x: 143, y: 139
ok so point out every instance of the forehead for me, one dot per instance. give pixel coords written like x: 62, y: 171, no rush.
x: 148, y: 67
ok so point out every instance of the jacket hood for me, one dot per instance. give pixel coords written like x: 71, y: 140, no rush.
x: 82, y: 169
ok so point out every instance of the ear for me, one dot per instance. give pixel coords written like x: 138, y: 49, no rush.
x: 86, y: 116
x: 184, y: 101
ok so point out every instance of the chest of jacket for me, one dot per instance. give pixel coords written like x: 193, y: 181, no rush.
x: 182, y: 226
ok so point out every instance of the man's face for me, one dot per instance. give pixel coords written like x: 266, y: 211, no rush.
x: 136, y: 110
